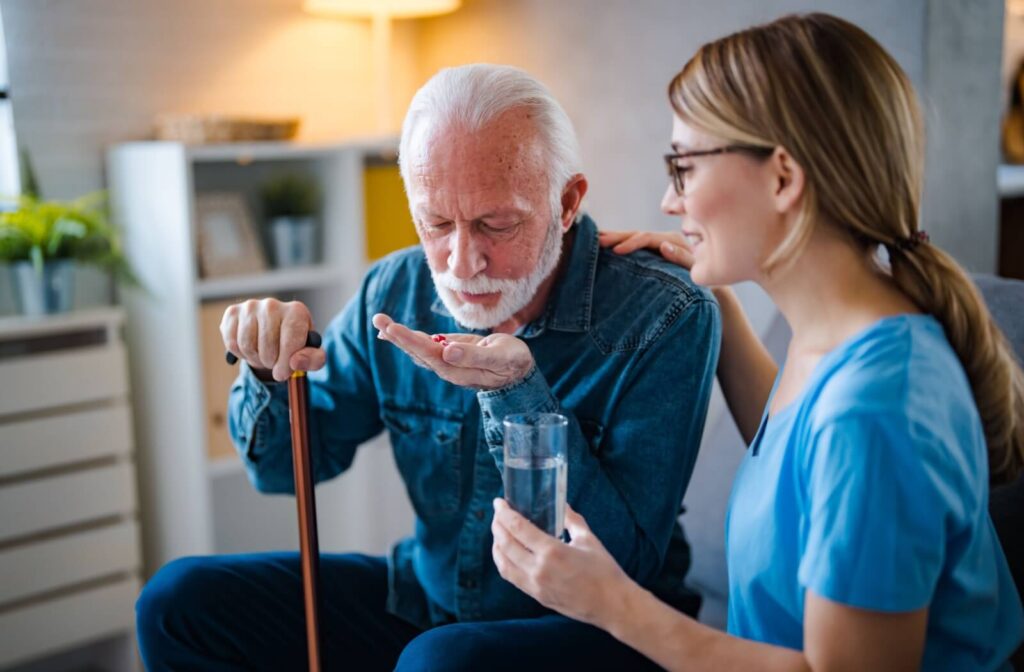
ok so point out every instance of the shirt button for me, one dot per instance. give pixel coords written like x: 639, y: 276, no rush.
x: 479, y: 514
x: 470, y: 583
x: 487, y: 415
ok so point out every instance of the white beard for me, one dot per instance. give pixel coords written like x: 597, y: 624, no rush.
x: 515, y: 294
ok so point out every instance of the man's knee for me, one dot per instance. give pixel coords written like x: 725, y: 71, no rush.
x: 176, y: 590
x: 451, y: 648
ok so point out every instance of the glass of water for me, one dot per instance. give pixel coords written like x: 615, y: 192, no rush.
x: 536, y: 470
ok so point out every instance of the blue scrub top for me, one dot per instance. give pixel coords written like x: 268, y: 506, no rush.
x: 871, y: 489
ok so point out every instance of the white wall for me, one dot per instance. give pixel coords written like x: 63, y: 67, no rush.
x: 610, y: 62
x: 963, y: 56
x: 87, y: 73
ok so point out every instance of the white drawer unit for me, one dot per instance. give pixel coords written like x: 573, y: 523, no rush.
x: 69, y: 533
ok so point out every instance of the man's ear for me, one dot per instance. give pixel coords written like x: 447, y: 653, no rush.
x: 572, y: 196
x: 788, y: 180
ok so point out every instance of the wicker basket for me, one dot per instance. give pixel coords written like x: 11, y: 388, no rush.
x: 213, y: 128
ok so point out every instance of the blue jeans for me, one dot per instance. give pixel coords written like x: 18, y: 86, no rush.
x: 245, y: 612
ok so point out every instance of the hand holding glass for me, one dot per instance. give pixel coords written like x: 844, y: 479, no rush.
x: 536, y: 468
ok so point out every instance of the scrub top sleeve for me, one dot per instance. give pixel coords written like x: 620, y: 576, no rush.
x: 876, y: 512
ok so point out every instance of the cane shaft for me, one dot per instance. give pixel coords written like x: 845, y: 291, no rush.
x: 309, y: 547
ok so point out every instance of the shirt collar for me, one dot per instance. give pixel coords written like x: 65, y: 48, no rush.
x: 573, y: 294
x: 569, y: 305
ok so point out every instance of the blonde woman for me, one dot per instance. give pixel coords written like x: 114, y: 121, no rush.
x: 858, y: 535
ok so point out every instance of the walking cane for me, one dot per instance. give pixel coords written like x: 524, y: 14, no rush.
x: 309, y: 546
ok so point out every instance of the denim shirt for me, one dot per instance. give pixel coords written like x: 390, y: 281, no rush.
x: 626, y: 349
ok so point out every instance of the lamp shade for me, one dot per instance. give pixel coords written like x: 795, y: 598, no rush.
x: 395, y: 9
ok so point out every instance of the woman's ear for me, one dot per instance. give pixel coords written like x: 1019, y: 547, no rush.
x: 788, y: 180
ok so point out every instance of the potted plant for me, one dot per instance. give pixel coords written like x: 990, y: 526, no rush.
x: 290, y: 205
x: 41, y: 242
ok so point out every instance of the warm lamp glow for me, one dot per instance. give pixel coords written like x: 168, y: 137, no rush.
x: 395, y: 9
x: 381, y: 13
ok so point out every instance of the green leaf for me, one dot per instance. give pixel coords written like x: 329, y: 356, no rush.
x: 290, y: 195
x: 37, y: 258
x: 63, y: 229
x: 29, y: 181
x: 41, y: 231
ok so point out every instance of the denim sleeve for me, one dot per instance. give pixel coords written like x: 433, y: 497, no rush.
x: 343, y: 409
x: 629, y: 488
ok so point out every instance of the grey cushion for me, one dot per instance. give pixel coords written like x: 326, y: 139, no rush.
x: 1005, y: 300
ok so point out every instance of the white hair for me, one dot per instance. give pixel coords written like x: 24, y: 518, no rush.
x: 471, y: 96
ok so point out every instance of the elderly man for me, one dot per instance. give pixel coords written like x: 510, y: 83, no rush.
x: 624, y: 346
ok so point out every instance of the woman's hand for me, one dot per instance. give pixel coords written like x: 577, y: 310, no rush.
x: 580, y: 579
x: 671, y: 245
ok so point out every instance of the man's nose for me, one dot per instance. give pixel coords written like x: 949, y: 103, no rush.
x: 465, y: 260
x: 671, y: 202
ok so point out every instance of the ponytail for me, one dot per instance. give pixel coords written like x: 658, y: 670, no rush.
x: 940, y: 287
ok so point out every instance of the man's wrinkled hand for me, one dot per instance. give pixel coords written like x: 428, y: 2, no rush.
x: 467, y: 360
x: 270, y: 336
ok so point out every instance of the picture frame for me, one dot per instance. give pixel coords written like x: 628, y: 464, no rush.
x: 227, y: 242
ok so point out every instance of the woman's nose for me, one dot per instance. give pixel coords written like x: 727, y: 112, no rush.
x: 671, y: 202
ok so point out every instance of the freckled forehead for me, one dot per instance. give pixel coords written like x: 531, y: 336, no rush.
x: 507, y: 152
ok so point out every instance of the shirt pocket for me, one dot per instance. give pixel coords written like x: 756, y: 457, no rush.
x: 426, y: 445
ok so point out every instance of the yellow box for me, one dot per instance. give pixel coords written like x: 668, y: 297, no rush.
x: 389, y: 225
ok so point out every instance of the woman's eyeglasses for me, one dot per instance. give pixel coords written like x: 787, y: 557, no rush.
x: 678, y: 172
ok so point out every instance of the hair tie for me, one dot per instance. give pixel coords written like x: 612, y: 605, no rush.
x: 915, y: 239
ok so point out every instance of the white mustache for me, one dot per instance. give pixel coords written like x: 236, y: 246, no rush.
x: 478, y: 285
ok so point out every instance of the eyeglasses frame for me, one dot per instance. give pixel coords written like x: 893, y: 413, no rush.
x: 676, y: 173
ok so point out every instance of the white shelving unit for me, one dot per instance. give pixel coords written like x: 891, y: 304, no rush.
x: 280, y: 280
x: 69, y: 538
x: 192, y: 502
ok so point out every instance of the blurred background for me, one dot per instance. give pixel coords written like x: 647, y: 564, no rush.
x: 174, y: 156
